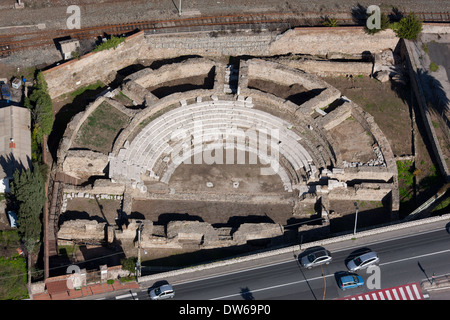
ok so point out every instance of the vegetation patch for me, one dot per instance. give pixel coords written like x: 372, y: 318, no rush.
x: 13, y: 269
x: 112, y: 42
x: 101, y: 128
x: 13, y: 278
x: 434, y: 67
x: 406, y: 179
x: 92, y: 86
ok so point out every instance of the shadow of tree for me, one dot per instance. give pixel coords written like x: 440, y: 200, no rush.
x: 359, y: 14
x: 435, y: 95
x: 10, y: 164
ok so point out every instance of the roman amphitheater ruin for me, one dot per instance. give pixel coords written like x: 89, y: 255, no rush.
x: 210, y: 154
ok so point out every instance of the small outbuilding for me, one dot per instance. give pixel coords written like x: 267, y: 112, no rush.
x: 68, y: 47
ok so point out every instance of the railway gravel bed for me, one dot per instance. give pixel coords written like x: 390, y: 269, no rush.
x: 54, y: 12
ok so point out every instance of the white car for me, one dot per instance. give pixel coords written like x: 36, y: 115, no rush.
x: 316, y: 258
x: 163, y: 292
x: 363, y: 261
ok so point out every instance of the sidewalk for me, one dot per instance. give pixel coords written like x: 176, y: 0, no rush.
x: 437, y: 283
x: 85, y: 291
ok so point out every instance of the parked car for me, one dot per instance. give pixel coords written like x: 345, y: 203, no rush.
x: 349, y: 281
x: 163, y: 292
x: 363, y: 261
x: 316, y: 258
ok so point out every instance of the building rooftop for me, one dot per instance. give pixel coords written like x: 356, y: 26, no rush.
x: 15, y: 140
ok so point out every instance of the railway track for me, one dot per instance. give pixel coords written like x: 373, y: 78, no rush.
x: 10, y: 43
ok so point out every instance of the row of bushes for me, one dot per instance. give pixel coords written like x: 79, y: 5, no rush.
x: 408, y: 27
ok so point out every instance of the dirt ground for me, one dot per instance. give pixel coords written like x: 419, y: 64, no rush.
x: 355, y: 143
x: 386, y: 103
x: 295, y: 93
x: 369, y: 213
x: 192, y: 179
x: 102, y: 210
x: 230, y: 214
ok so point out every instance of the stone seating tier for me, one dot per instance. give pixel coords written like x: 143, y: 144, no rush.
x: 150, y: 137
x: 169, y: 134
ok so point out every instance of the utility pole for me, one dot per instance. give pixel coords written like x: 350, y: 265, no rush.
x: 179, y: 9
x: 138, y: 263
x: 356, y: 217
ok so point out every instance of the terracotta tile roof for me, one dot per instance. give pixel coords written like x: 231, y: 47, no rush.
x: 57, y: 287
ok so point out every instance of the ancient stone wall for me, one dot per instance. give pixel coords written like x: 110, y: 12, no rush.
x: 81, y: 230
x: 326, y: 68
x: 327, y: 41
x: 190, y: 68
x: 278, y: 73
x: 179, y: 234
x: 93, y: 66
x: 96, y: 159
x: 83, y: 164
x: 103, y: 65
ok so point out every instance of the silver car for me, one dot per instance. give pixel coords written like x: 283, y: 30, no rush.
x: 163, y: 292
x: 363, y: 261
x: 316, y: 258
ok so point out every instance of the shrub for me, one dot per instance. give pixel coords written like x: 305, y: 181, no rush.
x: 408, y: 27
x: 330, y: 22
x: 112, y: 42
x: 129, y: 264
x: 434, y: 67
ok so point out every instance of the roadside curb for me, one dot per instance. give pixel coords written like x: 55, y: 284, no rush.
x: 350, y: 236
x: 436, y: 283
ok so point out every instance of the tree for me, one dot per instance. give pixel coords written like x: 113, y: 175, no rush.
x: 28, y: 194
x: 408, y: 27
x: 129, y: 264
x: 41, y: 105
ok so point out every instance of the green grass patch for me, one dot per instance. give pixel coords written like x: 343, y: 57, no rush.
x: 13, y: 268
x: 406, y: 179
x: 101, y: 128
x: 92, y: 86
x: 443, y: 205
x: 13, y: 278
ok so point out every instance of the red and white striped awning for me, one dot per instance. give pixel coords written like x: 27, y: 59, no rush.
x: 405, y: 292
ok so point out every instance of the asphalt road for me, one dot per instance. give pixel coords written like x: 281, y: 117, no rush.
x: 410, y: 259
x: 407, y: 258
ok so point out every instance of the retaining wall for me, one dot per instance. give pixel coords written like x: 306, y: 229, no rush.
x: 414, y: 67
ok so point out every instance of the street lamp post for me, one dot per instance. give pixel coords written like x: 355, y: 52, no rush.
x: 138, y: 264
x: 356, y: 217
